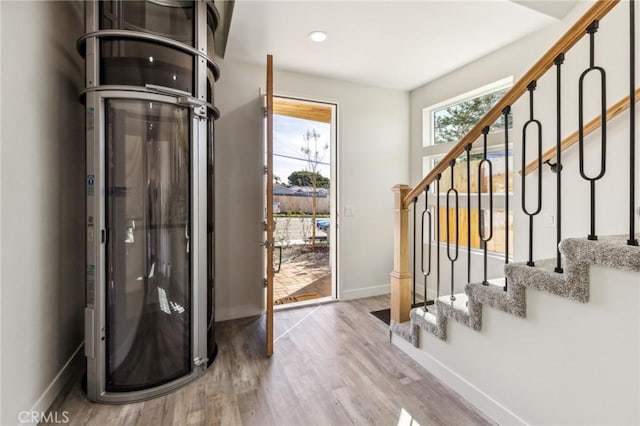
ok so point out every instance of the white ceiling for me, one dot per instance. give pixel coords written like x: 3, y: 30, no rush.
x: 395, y: 44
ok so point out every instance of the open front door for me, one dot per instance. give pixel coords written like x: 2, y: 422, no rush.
x: 269, y: 207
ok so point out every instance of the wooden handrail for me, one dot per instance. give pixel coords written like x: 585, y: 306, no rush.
x: 593, y: 125
x: 570, y: 38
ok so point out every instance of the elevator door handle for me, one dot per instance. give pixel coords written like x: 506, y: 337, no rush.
x: 187, y: 236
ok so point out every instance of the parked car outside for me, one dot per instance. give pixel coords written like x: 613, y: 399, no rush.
x: 323, y: 224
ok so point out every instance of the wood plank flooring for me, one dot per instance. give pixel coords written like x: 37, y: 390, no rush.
x: 333, y: 365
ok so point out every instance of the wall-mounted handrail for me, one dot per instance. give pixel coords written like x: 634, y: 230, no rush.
x: 593, y: 125
x: 568, y: 40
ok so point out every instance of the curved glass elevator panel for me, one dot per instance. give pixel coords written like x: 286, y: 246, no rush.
x: 147, y: 251
x: 138, y: 63
x: 149, y: 319
x: 172, y: 19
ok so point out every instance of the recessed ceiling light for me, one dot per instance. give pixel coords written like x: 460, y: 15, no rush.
x: 318, y: 36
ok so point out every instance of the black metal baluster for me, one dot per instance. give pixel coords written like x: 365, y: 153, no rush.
x: 452, y: 259
x: 531, y: 87
x: 481, y: 225
x: 426, y: 273
x: 415, y: 226
x: 468, y: 150
x: 558, y: 166
x: 591, y: 30
x: 505, y: 113
x: 438, y: 176
x: 632, y: 241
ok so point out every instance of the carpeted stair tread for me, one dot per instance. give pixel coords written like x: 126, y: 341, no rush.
x: 511, y: 301
x: 428, y: 315
x: 543, y: 277
x: 430, y: 320
x: 407, y: 330
x: 460, y: 310
x: 497, y: 282
x: 457, y: 309
x: 579, y: 254
x: 459, y: 302
x: 610, y: 251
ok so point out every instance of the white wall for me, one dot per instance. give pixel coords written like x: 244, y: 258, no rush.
x: 372, y: 157
x: 42, y: 199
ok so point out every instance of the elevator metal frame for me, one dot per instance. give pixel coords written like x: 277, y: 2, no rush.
x: 202, y: 114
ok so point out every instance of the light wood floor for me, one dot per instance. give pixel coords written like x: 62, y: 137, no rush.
x: 333, y: 365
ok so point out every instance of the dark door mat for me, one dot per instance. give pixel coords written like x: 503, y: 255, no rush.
x: 384, y: 315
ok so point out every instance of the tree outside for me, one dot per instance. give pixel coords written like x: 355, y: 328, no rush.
x: 314, y: 155
x: 455, y: 121
x: 306, y: 178
x: 450, y: 125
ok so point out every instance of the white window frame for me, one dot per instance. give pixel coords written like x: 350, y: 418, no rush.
x: 427, y: 113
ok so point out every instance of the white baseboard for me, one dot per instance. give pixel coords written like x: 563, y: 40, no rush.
x: 359, y: 293
x: 56, y: 386
x: 226, y: 313
x: 483, y: 402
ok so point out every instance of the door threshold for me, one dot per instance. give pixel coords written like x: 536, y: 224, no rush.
x: 305, y: 303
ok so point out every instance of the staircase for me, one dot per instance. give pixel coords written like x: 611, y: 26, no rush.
x: 568, y: 275
x: 579, y: 256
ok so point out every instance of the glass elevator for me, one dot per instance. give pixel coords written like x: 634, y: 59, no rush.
x: 149, y: 215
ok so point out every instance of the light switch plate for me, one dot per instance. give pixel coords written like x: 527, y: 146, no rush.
x: 349, y: 210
